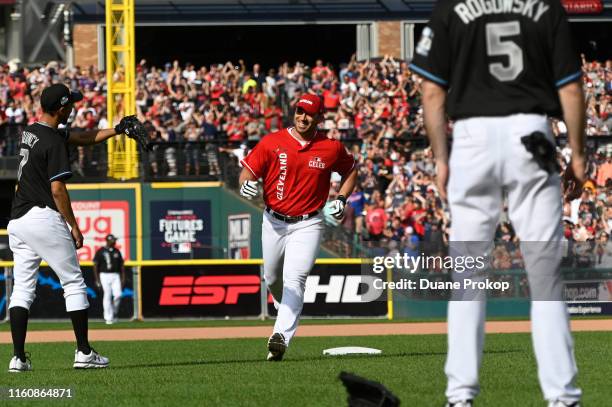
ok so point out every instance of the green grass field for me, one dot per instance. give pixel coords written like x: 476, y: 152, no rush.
x: 233, y: 372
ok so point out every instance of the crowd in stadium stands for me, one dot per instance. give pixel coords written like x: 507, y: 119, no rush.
x: 195, y: 115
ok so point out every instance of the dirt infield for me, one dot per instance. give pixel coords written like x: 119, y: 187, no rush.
x: 420, y: 328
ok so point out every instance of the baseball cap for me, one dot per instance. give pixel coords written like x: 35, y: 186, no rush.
x: 56, y: 96
x: 110, y: 237
x: 310, y: 103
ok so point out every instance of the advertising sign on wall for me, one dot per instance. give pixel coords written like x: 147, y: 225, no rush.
x: 96, y: 219
x: 50, y: 303
x: 239, y: 236
x: 589, y: 297
x: 337, y: 290
x: 201, y: 291
x: 181, y: 229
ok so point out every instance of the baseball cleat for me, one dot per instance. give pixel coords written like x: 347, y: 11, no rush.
x: 17, y: 366
x: 563, y: 404
x: 464, y: 403
x: 276, y: 347
x: 92, y: 361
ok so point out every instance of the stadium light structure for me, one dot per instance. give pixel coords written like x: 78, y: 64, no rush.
x: 121, y: 85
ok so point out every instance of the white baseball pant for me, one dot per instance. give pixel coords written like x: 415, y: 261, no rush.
x: 289, y: 252
x: 43, y: 234
x: 111, y: 286
x: 487, y: 158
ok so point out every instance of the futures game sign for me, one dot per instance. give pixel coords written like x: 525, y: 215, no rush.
x: 180, y: 229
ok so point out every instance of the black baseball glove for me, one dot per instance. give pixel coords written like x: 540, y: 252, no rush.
x: 367, y: 393
x: 134, y: 129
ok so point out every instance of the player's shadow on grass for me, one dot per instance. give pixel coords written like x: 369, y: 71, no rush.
x: 289, y: 359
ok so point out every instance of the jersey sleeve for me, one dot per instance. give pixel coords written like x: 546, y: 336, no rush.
x: 345, y: 161
x: 432, y: 53
x: 257, y: 160
x: 58, y: 164
x: 566, y: 61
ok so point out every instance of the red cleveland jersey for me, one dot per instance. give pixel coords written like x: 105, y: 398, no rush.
x: 295, y: 177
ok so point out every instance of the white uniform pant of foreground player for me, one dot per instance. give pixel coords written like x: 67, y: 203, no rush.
x: 43, y: 234
x: 111, y: 286
x: 289, y: 252
x: 487, y: 158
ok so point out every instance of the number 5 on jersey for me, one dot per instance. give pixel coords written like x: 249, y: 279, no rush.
x: 496, y: 47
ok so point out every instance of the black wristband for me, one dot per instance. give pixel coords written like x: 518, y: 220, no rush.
x: 342, y: 199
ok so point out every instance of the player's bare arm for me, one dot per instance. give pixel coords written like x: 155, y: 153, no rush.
x: 572, y: 103
x: 348, y: 182
x: 87, y: 138
x: 434, y: 98
x: 128, y: 125
x: 246, y: 175
x: 96, y: 274
x: 62, y: 201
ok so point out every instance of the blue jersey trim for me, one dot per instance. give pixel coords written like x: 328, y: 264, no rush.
x: 569, y: 79
x: 60, y: 175
x: 428, y: 75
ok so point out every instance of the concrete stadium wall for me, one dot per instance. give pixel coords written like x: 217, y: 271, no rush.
x: 86, y: 45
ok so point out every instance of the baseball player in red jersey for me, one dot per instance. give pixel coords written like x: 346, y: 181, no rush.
x: 295, y: 166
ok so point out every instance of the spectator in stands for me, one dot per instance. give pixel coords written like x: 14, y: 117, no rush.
x: 372, y: 105
x: 357, y: 201
x: 376, y: 220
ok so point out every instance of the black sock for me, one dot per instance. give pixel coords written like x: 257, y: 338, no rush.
x: 19, y: 328
x: 79, y: 324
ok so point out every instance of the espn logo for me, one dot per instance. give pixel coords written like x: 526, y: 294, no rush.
x: 206, y: 290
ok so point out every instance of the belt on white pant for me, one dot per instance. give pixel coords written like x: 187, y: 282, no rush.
x: 291, y: 219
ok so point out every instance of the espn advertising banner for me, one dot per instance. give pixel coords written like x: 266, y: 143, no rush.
x: 336, y: 290
x: 181, y: 229
x: 49, y: 302
x: 201, y: 291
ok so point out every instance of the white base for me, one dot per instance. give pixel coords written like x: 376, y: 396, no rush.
x: 351, y: 350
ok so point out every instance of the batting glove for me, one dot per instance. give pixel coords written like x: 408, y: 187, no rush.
x: 337, y: 207
x: 249, y: 189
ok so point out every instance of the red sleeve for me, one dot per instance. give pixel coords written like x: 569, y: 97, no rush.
x: 257, y: 160
x: 345, y: 162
